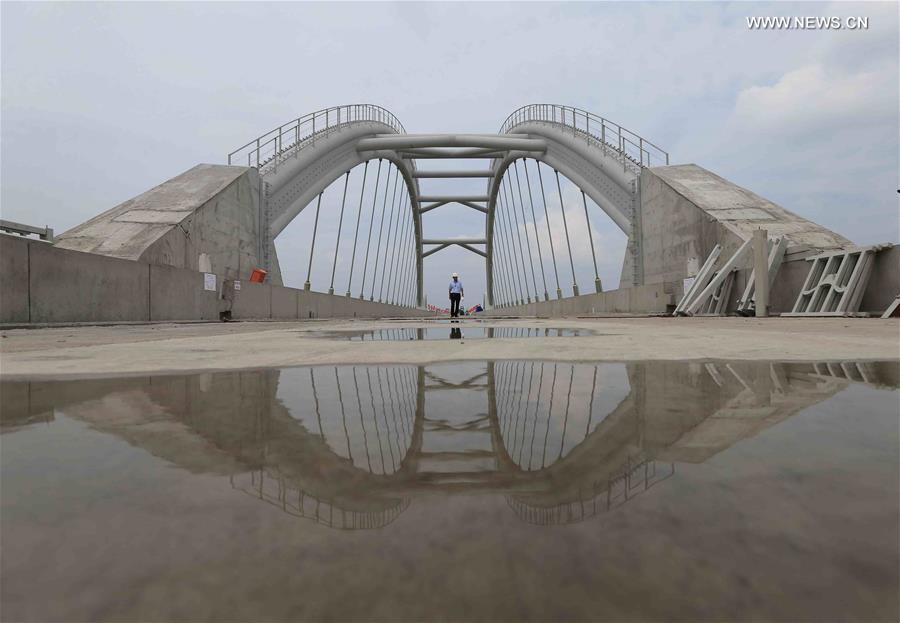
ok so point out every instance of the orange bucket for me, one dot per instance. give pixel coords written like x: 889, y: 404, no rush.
x: 258, y: 275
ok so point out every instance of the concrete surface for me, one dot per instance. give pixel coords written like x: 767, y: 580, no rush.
x: 68, y: 286
x: 43, y: 284
x: 687, y: 210
x: 177, y: 294
x: 656, y: 298
x: 209, y: 209
x: 150, y: 349
x: 14, y: 295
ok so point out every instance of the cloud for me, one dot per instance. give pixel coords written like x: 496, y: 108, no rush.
x: 813, y: 100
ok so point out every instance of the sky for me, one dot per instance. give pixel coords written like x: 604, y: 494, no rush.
x: 100, y: 102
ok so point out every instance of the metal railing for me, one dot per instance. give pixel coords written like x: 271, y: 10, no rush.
x: 630, y: 147
x: 267, y: 150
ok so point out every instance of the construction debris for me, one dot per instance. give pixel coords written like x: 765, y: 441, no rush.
x: 836, y: 282
x: 708, y: 295
x: 893, y: 308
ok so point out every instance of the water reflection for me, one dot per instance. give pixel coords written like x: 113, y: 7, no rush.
x: 403, y: 334
x: 350, y: 447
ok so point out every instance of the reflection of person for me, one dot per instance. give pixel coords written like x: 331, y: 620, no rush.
x: 456, y: 294
x: 455, y: 333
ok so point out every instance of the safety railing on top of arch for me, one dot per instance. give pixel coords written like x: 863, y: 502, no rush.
x: 268, y: 150
x: 628, y: 146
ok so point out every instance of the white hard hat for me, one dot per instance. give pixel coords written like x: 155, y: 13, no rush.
x: 455, y: 275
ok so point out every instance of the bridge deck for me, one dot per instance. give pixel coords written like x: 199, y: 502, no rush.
x: 160, y: 348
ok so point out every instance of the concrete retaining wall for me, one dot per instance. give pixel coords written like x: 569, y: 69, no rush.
x: 44, y: 284
x: 655, y: 298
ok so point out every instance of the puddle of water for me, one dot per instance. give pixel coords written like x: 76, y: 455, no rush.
x: 515, y: 490
x: 450, y: 331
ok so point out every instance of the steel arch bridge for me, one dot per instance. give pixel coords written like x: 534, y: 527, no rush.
x: 297, y: 161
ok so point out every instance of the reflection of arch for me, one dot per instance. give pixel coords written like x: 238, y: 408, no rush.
x: 243, y: 425
x: 633, y: 479
x: 298, y: 503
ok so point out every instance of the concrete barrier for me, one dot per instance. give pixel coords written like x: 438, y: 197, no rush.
x: 178, y: 294
x: 252, y: 302
x: 14, y: 294
x: 43, y: 284
x: 656, y: 298
x: 283, y: 303
x: 70, y: 286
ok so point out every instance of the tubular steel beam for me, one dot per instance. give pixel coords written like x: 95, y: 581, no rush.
x: 465, y: 246
x: 438, y: 204
x: 455, y: 241
x: 453, y: 174
x: 412, y: 141
x: 454, y: 154
x: 432, y: 206
x: 468, y: 247
x: 474, y: 206
x: 435, y: 250
x: 453, y: 198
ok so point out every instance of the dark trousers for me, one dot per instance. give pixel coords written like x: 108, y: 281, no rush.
x: 454, y: 304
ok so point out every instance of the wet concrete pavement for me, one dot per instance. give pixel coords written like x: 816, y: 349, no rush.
x: 464, y: 491
x: 165, y: 348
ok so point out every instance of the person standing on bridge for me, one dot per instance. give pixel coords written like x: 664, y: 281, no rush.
x: 456, y: 293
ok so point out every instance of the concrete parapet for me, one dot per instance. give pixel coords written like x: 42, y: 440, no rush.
x: 655, y: 298
x: 14, y: 294
x: 283, y: 302
x: 252, y: 302
x: 43, y: 284
x: 178, y: 294
x: 69, y: 286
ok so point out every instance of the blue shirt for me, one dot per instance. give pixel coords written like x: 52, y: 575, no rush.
x: 456, y: 287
